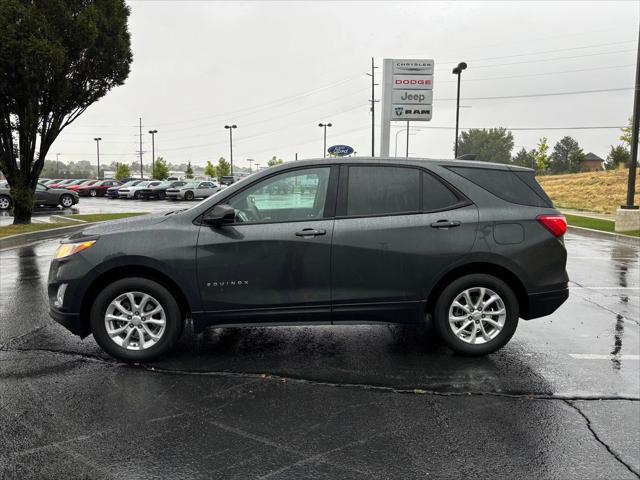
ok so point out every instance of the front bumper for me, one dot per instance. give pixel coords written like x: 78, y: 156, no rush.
x: 545, y: 303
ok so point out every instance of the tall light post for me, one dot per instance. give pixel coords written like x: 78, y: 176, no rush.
x: 57, y: 162
x: 153, y: 151
x: 631, y: 182
x: 230, y: 128
x: 458, y: 71
x: 325, y: 125
x: 399, y: 132
x: 97, y: 139
x: 250, y: 160
x: 257, y: 167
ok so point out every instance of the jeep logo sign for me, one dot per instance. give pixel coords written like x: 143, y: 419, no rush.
x: 412, y: 97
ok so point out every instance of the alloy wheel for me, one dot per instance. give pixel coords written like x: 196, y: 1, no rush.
x: 135, y: 321
x: 477, y: 315
x: 93, y: 193
x: 66, y: 201
x: 5, y: 203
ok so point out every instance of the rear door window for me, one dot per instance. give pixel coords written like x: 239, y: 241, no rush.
x: 506, y: 184
x: 436, y: 195
x: 382, y: 190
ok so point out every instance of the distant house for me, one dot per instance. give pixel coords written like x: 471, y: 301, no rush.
x: 592, y: 163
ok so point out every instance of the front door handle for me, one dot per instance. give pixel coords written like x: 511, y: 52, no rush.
x: 310, y: 232
x: 445, y: 224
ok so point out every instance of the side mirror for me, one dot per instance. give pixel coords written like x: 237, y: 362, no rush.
x: 219, y: 215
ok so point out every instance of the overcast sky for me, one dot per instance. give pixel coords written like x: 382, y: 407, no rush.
x: 276, y: 69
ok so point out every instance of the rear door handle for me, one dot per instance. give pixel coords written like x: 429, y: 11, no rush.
x: 310, y: 232
x: 445, y: 224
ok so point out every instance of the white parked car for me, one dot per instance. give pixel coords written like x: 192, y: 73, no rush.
x: 133, y: 190
x: 193, y: 190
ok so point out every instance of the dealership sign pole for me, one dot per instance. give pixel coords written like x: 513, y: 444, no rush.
x: 407, y: 94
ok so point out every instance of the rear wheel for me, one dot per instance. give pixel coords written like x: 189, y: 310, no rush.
x: 66, y: 201
x: 189, y: 196
x: 93, y: 193
x: 476, y: 314
x: 161, y: 195
x: 135, y: 320
x: 136, y: 195
x: 5, y: 202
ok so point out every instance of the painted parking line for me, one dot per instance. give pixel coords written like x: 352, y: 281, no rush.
x: 598, y: 356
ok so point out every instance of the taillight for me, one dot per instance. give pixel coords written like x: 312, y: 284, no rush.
x: 556, y: 224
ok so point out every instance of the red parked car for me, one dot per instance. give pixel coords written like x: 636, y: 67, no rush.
x: 97, y: 189
x: 84, y: 183
x: 69, y: 182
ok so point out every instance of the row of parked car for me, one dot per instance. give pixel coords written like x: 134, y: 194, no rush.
x: 138, y: 188
x: 67, y: 192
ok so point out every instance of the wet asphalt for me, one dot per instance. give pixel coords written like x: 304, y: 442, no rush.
x: 561, y: 400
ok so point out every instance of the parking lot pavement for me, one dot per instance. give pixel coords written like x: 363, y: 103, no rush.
x: 561, y: 400
x: 103, y: 205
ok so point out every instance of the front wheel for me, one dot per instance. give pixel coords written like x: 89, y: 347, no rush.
x: 476, y: 314
x: 189, y: 196
x: 66, y: 201
x: 135, y: 320
x: 93, y: 193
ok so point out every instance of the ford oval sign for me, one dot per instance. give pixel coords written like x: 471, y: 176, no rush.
x: 340, y: 150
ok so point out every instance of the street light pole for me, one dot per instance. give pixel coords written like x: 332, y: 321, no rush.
x: 153, y: 151
x: 324, y: 126
x: 57, y: 161
x: 396, y: 142
x: 97, y: 139
x: 407, y: 155
x: 250, y: 160
x: 230, y: 128
x: 458, y: 71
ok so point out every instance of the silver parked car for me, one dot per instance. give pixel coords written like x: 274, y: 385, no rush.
x: 45, y: 196
x: 193, y: 190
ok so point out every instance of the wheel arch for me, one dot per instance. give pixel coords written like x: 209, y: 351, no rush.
x: 120, y: 272
x: 498, y: 271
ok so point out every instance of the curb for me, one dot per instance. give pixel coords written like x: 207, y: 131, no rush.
x: 62, y: 219
x: 616, y: 237
x: 22, y: 239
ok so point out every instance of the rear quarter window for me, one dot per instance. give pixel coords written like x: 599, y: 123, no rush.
x: 514, y: 187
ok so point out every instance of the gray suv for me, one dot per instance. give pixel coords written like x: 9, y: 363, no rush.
x: 474, y: 246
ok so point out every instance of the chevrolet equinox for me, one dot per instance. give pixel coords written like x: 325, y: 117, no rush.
x: 473, y: 245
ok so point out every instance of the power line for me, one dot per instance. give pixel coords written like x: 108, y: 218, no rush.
x: 551, y: 94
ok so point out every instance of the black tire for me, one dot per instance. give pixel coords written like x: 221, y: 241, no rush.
x: 66, y: 201
x: 458, y: 286
x: 189, y: 196
x: 136, y: 195
x: 174, y: 320
x: 5, y: 202
x: 93, y: 193
x: 161, y: 195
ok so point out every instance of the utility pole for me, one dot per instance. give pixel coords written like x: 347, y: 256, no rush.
x: 631, y: 183
x: 407, y: 153
x: 153, y: 151
x: 141, y: 174
x: 97, y: 139
x: 250, y: 160
x: 296, y: 156
x: 373, y: 107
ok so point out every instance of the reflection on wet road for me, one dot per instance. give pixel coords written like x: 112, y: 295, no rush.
x: 559, y: 401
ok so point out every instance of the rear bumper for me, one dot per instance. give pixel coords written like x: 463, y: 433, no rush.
x: 543, y: 304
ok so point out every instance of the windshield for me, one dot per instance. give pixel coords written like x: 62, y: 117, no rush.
x: 142, y: 184
x: 191, y: 185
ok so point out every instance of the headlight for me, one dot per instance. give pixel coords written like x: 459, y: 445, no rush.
x: 67, y: 249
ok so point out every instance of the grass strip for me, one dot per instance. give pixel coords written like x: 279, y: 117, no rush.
x: 89, y: 218
x: 597, y: 224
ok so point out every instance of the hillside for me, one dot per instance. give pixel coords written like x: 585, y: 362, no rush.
x: 601, y: 192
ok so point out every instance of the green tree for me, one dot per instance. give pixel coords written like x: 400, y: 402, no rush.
x: 122, y: 172
x: 618, y: 155
x: 525, y: 159
x: 626, y: 132
x: 188, y: 173
x: 541, y: 154
x: 210, y: 170
x: 275, y: 161
x: 566, y: 157
x: 56, y: 59
x: 224, y: 168
x: 160, y: 169
x: 492, y: 145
